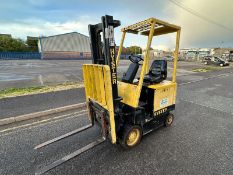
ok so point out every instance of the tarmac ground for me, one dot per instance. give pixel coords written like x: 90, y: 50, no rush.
x: 28, y: 73
x: 199, y: 142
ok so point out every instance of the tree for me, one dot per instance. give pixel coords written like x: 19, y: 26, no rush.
x: 9, y: 44
x: 32, y: 44
x: 134, y: 50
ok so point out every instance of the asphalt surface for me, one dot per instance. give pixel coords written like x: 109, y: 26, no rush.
x: 199, y: 142
x: 28, y: 73
x: 11, y: 107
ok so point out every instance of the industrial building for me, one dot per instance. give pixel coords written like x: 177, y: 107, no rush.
x: 65, y: 46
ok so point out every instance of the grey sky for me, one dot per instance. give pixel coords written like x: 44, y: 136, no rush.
x: 48, y: 17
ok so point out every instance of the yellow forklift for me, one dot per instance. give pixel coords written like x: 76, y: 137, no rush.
x: 128, y: 107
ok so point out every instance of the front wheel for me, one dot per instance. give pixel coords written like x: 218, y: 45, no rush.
x: 221, y: 65
x: 131, y: 136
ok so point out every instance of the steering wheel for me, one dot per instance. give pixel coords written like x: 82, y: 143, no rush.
x: 135, y: 58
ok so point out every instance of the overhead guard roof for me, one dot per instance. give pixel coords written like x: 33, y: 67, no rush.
x: 143, y: 27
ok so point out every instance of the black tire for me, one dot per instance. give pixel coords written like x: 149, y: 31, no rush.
x: 169, y: 120
x: 125, y: 142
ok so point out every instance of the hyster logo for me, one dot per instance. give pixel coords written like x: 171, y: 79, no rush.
x: 113, y: 65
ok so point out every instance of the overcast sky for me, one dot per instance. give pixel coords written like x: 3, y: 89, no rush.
x: 48, y: 17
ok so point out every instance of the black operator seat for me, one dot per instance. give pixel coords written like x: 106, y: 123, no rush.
x: 129, y: 76
x: 157, y: 72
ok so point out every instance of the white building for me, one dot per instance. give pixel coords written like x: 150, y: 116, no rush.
x: 65, y: 46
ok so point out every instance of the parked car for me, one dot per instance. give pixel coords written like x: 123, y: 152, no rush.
x: 206, y: 58
x: 216, y: 61
x: 169, y: 58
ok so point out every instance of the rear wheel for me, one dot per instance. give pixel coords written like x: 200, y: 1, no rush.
x: 132, y: 136
x: 169, y: 120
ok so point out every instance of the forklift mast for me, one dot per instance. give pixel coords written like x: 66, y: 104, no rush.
x: 103, y: 50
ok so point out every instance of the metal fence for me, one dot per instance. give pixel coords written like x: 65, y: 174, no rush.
x: 37, y: 55
x: 20, y: 55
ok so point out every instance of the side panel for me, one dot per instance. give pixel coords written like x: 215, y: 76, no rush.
x: 164, y: 97
x: 127, y: 92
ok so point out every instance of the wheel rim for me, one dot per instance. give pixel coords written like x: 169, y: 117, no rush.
x: 169, y: 120
x: 133, y: 137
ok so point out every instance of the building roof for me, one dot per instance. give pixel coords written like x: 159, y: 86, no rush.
x: 32, y: 38
x: 67, y: 42
x: 63, y: 34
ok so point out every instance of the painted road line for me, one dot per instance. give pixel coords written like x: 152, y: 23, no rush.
x: 46, y: 121
x: 41, y: 113
x: 207, y: 78
x: 206, y: 106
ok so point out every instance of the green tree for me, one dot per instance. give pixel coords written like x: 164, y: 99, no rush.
x: 134, y: 50
x: 9, y: 44
x: 32, y: 44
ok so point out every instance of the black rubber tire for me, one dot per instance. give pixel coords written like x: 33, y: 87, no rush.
x: 169, y: 120
x: 126, y: 132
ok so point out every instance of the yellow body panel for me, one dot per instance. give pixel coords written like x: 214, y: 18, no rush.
x: 97, y: 81
x: 164, y: 94
x: 143, y: 27
x: 127, y: 92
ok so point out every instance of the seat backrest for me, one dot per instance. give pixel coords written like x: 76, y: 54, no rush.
x: 129, y: 76
x: 158, y: 68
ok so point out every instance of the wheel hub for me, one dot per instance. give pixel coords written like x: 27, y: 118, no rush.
x: 133, y: 137
x: 169, y: 120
